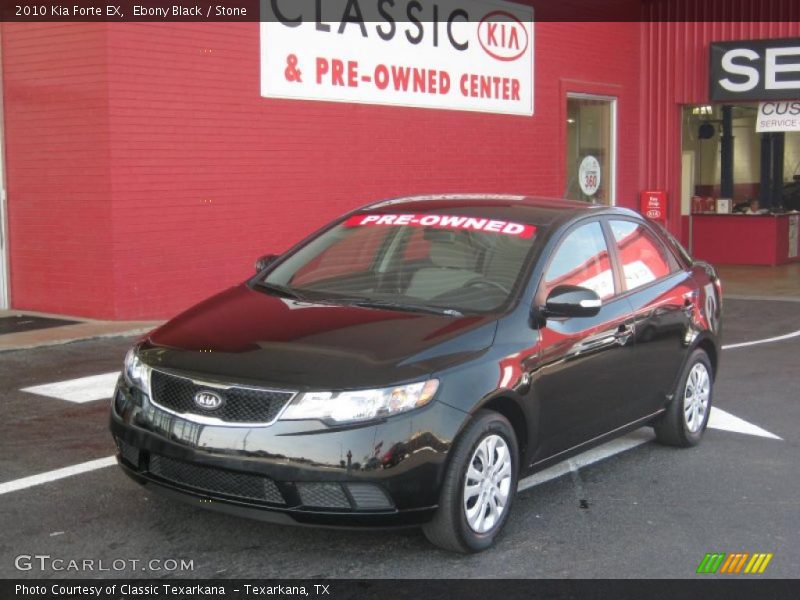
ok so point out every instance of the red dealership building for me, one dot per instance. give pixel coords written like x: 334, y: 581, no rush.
x: 147, y: 164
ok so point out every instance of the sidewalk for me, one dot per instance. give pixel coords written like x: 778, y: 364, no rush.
x: 743, y: 282
x: 83, y: 330
x: 766, y: 283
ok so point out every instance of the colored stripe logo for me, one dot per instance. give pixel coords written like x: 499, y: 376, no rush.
x: 734, y: 563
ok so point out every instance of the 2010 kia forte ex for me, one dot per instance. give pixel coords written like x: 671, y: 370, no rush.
x: 409, y: 362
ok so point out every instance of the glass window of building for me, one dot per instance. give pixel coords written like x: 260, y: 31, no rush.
x: 591, y: 141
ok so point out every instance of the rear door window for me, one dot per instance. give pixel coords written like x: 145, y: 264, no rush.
x: 642, y: 256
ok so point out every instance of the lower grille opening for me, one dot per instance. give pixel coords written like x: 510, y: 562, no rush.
x: 367, y: 496
x: 216, y: 481
x: 322, y: 495
x: 356, y: 496
x: 130, y: 454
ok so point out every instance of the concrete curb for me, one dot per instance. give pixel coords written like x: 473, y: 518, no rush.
x: 70, y: 340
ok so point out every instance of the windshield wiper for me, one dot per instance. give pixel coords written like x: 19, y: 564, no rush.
x: 289, y: 292
x: 393, y: 304
x: 282, y: 290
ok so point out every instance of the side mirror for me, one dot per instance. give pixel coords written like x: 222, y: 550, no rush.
x: 572, y: 301
x: 264, y: 261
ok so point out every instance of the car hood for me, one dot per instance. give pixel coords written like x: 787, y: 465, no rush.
x: 252, y: 337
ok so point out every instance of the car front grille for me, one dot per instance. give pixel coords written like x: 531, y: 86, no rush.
x: 240, y: 405
x: 215, y: 481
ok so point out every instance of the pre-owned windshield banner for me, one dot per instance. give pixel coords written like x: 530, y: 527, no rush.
x: 521, y: 230
x: 450, y: 54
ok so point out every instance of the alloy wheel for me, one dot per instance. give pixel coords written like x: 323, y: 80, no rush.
x: 487, y: 484
x: 696, y: 396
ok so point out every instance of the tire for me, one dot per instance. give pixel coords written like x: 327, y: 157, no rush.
x: 457, y: 525
x: 686, y: 416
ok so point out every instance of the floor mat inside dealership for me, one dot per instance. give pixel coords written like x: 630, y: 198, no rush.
x: 20, y: 323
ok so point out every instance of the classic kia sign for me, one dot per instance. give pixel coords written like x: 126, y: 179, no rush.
x: 755, y: 70
x: 451, y: 54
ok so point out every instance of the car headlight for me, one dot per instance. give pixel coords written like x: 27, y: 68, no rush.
x: 136, y: 372
x: 361, y: 405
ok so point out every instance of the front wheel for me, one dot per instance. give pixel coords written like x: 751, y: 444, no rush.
x: 686, y: 417
x: 479, y: 486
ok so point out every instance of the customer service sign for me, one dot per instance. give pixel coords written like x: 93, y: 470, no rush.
x: 472, y: 55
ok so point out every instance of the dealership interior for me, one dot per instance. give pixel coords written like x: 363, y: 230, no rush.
x: 766, y: 166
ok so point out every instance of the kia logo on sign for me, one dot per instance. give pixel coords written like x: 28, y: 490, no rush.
x: 208, y: 400
x: 503, y: 36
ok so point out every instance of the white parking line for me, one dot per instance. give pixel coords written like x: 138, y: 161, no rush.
x: 83, y: 389
x: 97, y: 387
x: 100, y: 387
x: 718, y: 419
x: 778, y: 338
x: 26, y: 482
x: 626, y: 442
x: 632, y: 440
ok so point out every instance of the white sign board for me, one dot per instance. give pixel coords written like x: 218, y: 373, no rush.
x: 589, y: 175
x: 778, y: 116
x: 793, y: 236
x: 472, y: 55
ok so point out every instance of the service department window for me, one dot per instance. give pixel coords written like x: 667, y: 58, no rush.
x: 591, y: 148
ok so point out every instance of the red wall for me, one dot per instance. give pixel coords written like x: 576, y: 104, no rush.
x: 57, y: 168
x: 188, y: 175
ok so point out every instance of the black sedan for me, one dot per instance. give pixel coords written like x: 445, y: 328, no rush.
x: 408, y: 363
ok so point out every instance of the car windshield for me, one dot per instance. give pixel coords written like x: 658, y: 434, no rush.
x: 441, y: 263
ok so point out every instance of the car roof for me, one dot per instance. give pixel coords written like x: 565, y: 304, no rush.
x: 536, y: 210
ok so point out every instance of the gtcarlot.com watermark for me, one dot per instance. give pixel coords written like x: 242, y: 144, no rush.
x: 46, y: 562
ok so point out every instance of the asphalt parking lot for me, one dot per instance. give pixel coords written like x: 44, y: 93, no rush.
x: 647, y: 511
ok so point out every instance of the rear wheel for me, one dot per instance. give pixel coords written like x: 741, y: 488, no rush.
x: 687, y: 415
x: 479, y: 486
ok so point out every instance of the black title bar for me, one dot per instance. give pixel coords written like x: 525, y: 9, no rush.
x: 210, y: 589
x: 250, y: 10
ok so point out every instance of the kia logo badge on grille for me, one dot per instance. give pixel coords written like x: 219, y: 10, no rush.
x: 208, y: 400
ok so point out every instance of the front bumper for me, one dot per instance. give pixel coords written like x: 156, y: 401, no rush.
x: 381, y: 474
